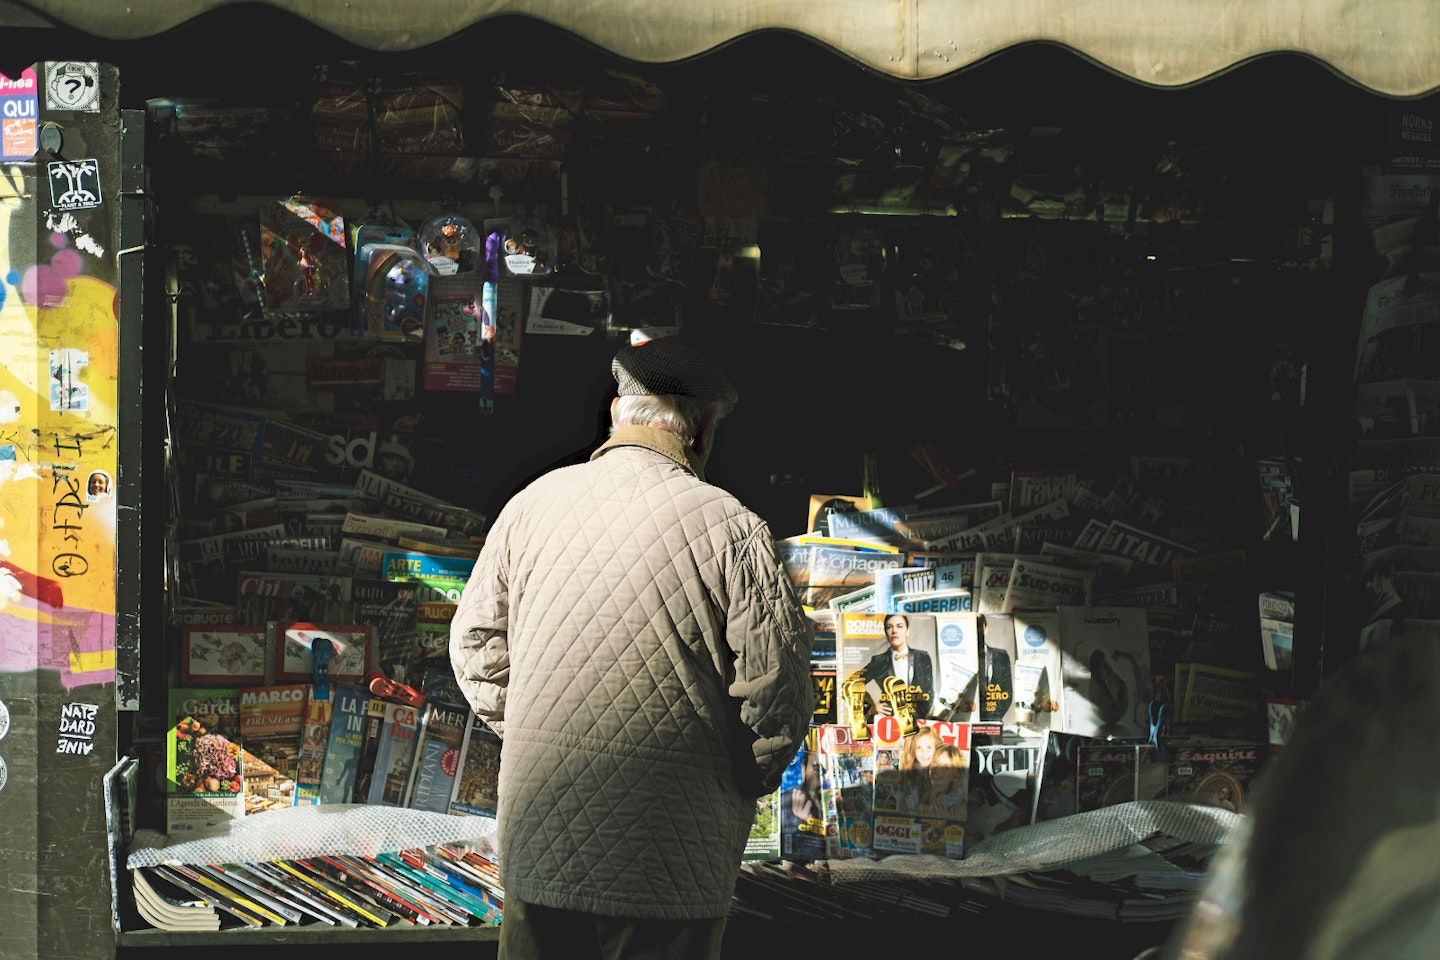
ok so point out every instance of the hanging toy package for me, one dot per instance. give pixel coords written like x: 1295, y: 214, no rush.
x: 528, y: 248
x: 303, y: 257
x: 377, y: 227
x: 396, y: 285
x: 460, y: 332
x: 451, y: 243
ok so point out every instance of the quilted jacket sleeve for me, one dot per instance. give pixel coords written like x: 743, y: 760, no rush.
x: 479, y: 634
x: 770, y: 635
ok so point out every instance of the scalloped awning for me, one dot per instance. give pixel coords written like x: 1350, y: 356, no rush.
x: 1391, y: 47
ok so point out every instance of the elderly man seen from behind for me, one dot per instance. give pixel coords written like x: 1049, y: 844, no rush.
x: 631, y: 634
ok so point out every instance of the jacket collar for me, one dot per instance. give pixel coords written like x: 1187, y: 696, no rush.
x: 661, y: 441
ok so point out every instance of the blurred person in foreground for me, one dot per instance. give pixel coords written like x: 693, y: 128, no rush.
x: 1338, y: 855
x: 630, y: 633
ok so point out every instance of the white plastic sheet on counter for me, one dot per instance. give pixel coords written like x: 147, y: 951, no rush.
x: 1053, y: 844
x: 346, y: 829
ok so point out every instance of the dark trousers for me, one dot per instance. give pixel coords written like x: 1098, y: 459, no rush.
x: 531, y: 932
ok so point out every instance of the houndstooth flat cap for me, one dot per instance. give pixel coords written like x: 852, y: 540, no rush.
x: 655, y: 367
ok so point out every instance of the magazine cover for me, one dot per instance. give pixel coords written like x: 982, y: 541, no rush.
x: 876, y: 524
x: 271, y: 718
x: 997, y: 533
x: 948, y: 600
x: 1035, y: 585
x: 389, y: 608
x: 369, y: 750
x: 996, y: 712
x: 211, y: 558
x: 837, y: 570
x: 1109, y: 773
x: 384, y: 529
x: 958, y: 677
x: 1219, y: 701
x: 261, y: 596
x: 379, y: 494
x: 1217, y: 774
x: 930, y: 527
x: 764, y: 840
x: 1110, y: 571
x: 1105, y: 667
x: 823, y: 680
x: 1002, y: 789
x: 802, y: 819
x: 347, y: 739
x: 1031, y: 487
x: 394, y: 755
x: 951, y: 569
x: 430, y: 640
x: 991, y: 579
x: 890, y: 584
x: 922, y: 789
x: 437, y: 755
x: 823, y: 505
x: 475, y: 784
x: 418, y: 565
x: 358, y: 557
x: 205, y: 783
x: 1037, y: 671
x: 1056, y: 775
x: 1277, y: 643
x: 848, y: 774
x: 314, y: 738
x: 1146, y: 548
x: 887, y: 669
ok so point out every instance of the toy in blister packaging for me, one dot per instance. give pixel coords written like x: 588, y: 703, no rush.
x: 528, y: 248
x: 303, y: 256
x: 396, y: 286
x: 362, y: 236
x: 451, y: 243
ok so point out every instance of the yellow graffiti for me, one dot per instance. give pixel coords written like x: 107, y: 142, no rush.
x: 57, y: 539
x: 90, y: 662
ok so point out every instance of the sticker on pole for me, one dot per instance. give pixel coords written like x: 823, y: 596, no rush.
x: 19, y: 118
x: 75, y: 184
x: 72, y: 86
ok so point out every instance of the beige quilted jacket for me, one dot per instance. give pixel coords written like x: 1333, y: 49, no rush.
x: 630, y: 632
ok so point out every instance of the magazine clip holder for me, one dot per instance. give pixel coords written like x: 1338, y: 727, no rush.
x: 322, y: 649
x: 1159, y: 727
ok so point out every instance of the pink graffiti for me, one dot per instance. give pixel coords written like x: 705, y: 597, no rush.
x: 27, y: 645
x: 43, y: 285
x: 56, y: 639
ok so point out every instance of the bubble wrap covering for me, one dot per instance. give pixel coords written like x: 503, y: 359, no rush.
x: 351, y: 829
x: 1055, y: 843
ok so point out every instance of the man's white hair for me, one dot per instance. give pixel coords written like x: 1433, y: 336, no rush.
x: 682, y: 416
